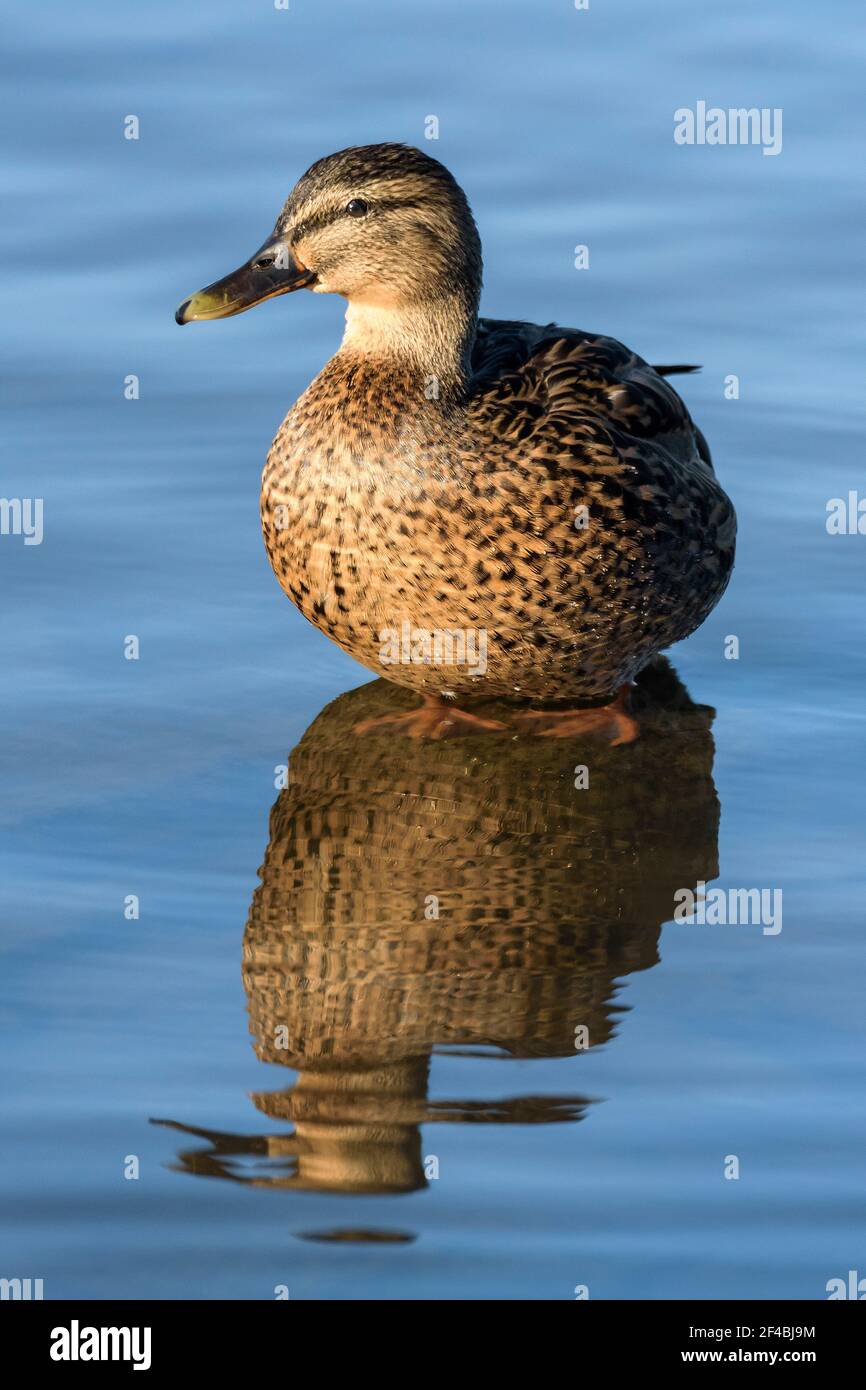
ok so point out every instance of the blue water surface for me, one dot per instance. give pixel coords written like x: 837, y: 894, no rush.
x: 156, y: 777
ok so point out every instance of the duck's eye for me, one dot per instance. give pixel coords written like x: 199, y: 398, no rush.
x: 357, y: 207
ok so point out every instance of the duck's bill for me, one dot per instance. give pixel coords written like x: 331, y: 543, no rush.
x: 271, y: 271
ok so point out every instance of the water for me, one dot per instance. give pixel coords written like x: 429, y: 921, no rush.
x: 419, y: 1046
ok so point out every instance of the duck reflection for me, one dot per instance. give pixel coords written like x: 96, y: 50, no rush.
x: 480, y: 896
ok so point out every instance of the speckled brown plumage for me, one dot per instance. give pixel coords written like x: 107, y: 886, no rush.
x: 394, y: 507
x: 542, y: 486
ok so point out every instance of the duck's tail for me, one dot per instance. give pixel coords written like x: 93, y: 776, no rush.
x: 676, y: 367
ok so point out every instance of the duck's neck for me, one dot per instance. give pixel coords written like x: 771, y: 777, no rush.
x: 431, y: 341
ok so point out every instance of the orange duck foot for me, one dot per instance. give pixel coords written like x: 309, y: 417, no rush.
x: 432, y: 719
x: 612, y: 721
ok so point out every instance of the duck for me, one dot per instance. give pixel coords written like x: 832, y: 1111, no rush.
x: 473, y: 508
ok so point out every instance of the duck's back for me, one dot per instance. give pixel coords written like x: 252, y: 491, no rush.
x: 537, y: 380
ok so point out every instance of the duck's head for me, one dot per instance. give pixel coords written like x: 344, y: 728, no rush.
x: 385, y: 226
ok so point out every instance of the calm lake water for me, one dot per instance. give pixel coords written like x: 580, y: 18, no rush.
x: 428, y: 1128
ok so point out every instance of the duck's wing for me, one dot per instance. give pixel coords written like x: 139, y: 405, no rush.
x: 528, y: 376
x: 569, y: 420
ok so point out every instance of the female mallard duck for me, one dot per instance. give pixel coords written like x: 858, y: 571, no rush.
x: 472, y: 506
